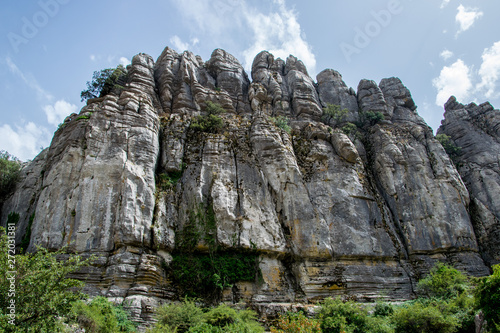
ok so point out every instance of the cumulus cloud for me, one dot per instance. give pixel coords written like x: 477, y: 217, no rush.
x: 446, y: 54
x: 214, y: 18
x: 489, y: 71
x: 25, y: 141
x: 453, y: 80
x: 278, y: 32
x: 178, y: 44
x: 57, y: 112
x: 466, y: 18
x: 124, y: 61
x: 466, y: 82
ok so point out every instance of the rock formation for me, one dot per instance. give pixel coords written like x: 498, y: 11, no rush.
x: 362, y: 212
x: 475, y: 129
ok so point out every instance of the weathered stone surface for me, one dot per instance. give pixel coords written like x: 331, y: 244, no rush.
x: 333, y: 90
x: 371, y: 98
x: 363, y: 214
x: 475, y: 129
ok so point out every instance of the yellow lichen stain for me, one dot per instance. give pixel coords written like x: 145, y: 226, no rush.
x: 334, y: 287
x: 273, y: 278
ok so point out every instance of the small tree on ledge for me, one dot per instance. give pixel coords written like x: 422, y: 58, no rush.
x: 103, y: 82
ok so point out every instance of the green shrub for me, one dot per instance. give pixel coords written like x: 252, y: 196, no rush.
x: 221, y: 316
x: 383, y: 309
x: 211, y: 122
x: 373, y: 117
x: 349, y: 128
x: 214, y: 108
x: 487, y: 296
x: 167, y: 180
x: 443, y: 281
x: 333, y: 113
x: 416, y: 317
x: 103, y: 82
x: 102, y: 316
x: 282, y: 122
x: 43, y: 293
x: 179, y: 317
x: 337, y: 316
x: 449, y: 146
x: 296, y: 323
x: 10, y: 168
x: 187, y: 317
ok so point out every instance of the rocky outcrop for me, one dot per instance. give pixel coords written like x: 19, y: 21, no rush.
x: 362, y: 213
x: 475, y: 130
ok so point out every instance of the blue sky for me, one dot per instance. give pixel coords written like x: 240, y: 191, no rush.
x: 50, y: 48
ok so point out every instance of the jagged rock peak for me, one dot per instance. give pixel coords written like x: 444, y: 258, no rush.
x: 474, y: 134
x: 328, y: 210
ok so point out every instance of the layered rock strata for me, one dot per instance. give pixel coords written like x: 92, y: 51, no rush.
x: 363, y: 212
x: 475, y: 131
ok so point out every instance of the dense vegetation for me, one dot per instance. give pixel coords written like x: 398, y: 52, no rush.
x: 188, y: 317
x: 9, y: 172
x: 448, y: 302
x: 36, y: 294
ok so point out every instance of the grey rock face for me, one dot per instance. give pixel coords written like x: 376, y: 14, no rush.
x: 363, y: 214
x: 371, y: 98
x: 333, y: 90
x: 475, y: 129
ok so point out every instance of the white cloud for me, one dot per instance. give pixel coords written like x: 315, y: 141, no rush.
x: 178, y: 44
x: 57, y: 112
x: 124, y: 61
x: 446, y: 54
x: 453, y: 80
x: 229, y: 22
x: 489, y: 71
x: 279, y: 33
x: 466, y: 17
x: 29, y: 80
x: 211, y: 17
x: 92, y: 57
x: 24, y: 142
x: 444, y: 3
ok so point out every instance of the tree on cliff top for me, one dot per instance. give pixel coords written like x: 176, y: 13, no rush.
x: 9, y: 172
x: 103, y: 82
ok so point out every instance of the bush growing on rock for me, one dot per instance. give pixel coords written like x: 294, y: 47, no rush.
x: 333, y: 113
x: 103, y: 82
x: 282, y: 122
x: 212, y: 122
x: 449, y: 146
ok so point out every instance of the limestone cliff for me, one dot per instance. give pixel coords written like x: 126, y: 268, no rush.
x: 363, y: 211
x: 475, y: 129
